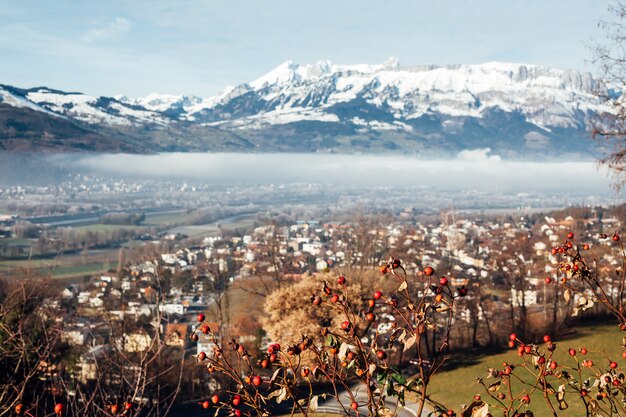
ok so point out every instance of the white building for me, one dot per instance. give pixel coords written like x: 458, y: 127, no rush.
x: 530, y: 297
x: 172, y: 308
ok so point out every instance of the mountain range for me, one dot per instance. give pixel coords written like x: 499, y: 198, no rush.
x: 517, y: 110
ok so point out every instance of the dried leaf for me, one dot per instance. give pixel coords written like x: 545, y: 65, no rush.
x: 371, y: 369
x: 442, y: 308
x: 313, y: 404
x: 581, y: 305
x: 342, y: 351
x: 399, y: 334
x: 275, y: 375
x: 476, y: 409
x: 279, y: 394
x: 385, y: 412
x: 403, y: 286
x: 494, y: 387
x: 409, y: 342
x: 567, y: 295
x: 560, y: 397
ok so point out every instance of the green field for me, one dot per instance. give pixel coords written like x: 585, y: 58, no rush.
x: 458, y: 386
x: 166, y: 219
x: 52, y: 268
x: 213, y: 229
x: 105, y: 228
x: 64, y: 266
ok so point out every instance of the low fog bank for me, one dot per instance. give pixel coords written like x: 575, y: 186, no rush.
x: 470, y: 169
x: 475, y: 169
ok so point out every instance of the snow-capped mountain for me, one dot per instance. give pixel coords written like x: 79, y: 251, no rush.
x: 544, y: 96
x: 516, y: 109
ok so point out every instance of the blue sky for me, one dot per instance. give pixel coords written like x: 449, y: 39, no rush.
x: 136, y: 47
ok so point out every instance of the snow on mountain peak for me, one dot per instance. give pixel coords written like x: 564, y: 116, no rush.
x: 545, y: 96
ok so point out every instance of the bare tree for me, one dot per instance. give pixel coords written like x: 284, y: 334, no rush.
x: 29, y: 345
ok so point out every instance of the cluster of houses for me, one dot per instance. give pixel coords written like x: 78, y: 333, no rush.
x: 471, y: 251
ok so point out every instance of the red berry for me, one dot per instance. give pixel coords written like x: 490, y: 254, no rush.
x: 511, y: 344
x: 370, y: 316
x: 256, y: 381
x: 450, y: 412
x: 583, y: 392
x: 381, y: 354
x: 528, y: 349
x: 128, y: 406
x: 58, y: 409
x: 215, y: 399
x: 624, y: 354
x: 586, y: 246
x: 201, y: 356
x: 354, y: 405
x: 19, y: 408
x: 443, y: 281
x: 615, y: 237
x: 583, y: 351
x: 548, y: 280
x: 613, y: 365
x: 547, y: 339
x: 206, y: 404
x: 341, y: 280
x: 334, y: 298
x: 205, y: 328
x: 114, y: 409
x: 237, y: 413
x: 345, y: 325
x: 316, y: 300
x: 572, y: 352
x: 553, y: 365
x: 384, y: 269
x: 570, y: 235
x: 429, y: 271
x: 237, y: 400
x: 513, y: 337
x: 200, y: 317
x: 526, y: 399
x: 377, y: 295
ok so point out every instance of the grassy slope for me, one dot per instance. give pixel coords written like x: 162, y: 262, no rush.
x: 458, y: 386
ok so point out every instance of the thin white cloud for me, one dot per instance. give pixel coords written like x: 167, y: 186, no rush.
x: 111, y: 31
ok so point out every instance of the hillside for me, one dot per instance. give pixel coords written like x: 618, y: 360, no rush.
x: 519, y: 111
